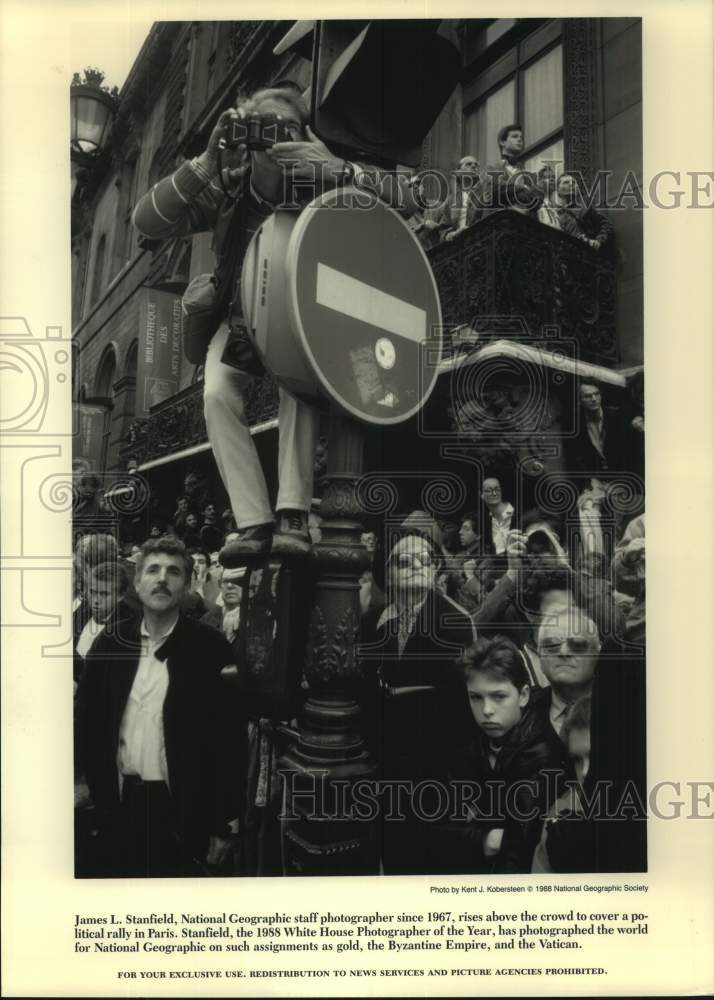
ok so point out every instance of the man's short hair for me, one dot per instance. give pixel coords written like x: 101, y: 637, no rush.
x: 498, y: 657
x: 198, y: 552
x: 168, y: 545
x: 577, y: 718
x: 570, y: 173
x: 286, y: 92
x: 536, y: 515
x: 111, y: 572
x: 473, y: 517
x: 503, y: 132
x: 580, y: 619
x: 95, y: 549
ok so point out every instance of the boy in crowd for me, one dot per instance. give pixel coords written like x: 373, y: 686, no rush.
x: 514, y: 764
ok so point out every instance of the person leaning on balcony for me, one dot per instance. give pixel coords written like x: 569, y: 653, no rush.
x: 192, y: 200
x: 583, y: 220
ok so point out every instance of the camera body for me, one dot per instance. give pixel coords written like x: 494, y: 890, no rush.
x: 256, y: 132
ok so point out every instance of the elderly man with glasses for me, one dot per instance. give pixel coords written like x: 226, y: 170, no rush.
x: 568, y: 646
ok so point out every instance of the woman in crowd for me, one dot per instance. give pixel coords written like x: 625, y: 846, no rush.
x: 410, y: 697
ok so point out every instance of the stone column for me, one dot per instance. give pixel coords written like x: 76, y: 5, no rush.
x: 320, y: 837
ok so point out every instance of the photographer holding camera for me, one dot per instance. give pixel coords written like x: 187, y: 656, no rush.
x: 233, y: 203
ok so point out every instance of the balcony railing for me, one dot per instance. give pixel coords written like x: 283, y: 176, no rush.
x: 508, y: 276
x: 510, y: 272
x: 178, y: 423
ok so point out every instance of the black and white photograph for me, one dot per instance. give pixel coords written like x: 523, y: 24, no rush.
x: 358, y: 469
x: 334, y: 659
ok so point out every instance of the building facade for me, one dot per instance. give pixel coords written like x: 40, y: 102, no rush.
x: 575, y: 86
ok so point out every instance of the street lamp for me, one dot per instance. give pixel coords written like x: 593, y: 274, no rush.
x: 92, y: 109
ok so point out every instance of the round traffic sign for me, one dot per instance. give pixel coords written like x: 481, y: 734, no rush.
x: 363, y: 305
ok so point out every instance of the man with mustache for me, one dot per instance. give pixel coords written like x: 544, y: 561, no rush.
x: 155, y: 736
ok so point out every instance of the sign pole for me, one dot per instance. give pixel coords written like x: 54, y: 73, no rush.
x: 329, y: 755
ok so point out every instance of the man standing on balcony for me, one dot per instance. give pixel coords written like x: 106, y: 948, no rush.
x: 464, y: 204
x: 507, y: 184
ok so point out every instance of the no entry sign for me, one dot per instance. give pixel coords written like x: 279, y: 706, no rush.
x: 365, y: 307
x: 358, y: 297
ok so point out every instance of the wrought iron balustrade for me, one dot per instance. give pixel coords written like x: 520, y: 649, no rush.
x: 178, y: 422
x: 511, y: 276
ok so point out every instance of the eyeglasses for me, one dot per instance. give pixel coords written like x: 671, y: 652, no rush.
x: 578, y: 644
x: 409, y: 560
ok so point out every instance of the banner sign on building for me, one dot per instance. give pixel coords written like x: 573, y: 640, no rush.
x: 157, y: 375
x: 91, y: 426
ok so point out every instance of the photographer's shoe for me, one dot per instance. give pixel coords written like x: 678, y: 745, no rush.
x: 291, y: 537
x: 253, y: 542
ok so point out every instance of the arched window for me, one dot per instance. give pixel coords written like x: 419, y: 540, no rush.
x: 103, y: 388
x: 130, y: 369
x: 106, y: 374
x: 131, y: 359
x: 98, y: 272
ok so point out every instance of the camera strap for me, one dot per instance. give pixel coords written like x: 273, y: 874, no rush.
x: 226, y: 192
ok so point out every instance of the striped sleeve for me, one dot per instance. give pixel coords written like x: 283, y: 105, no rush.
x: 181, y: 204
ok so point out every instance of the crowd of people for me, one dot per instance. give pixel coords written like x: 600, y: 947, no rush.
x: 489, y: 646
x: 549, y: 195
x: 501, y: 651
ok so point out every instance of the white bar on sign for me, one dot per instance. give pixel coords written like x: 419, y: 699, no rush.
x: 338, y: 291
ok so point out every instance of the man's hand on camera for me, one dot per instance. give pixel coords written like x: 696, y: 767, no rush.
x: 308, y: 157
x: 232, y: 158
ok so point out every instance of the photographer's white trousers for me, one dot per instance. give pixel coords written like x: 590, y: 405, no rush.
x: 235, y: 452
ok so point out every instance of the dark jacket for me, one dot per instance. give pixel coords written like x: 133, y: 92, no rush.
x: 407, y: 698
x: 504, y: 190
x: 589, y: 224
x: 195, y: 726
x: 514, y: 795
x: 413, y: 705
x: 450, y: 212
x: 584, y: 458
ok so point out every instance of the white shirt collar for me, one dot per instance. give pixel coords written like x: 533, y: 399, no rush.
x: 164, y: 635
x: 392, y: 611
